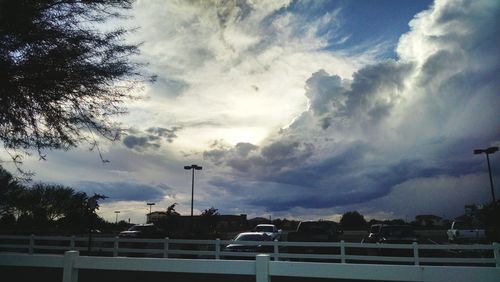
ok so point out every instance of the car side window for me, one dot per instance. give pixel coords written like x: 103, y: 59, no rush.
x: 374, y: 229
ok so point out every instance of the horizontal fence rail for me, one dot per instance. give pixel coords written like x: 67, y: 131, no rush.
x: 263, y: 268
x: 336, y: 252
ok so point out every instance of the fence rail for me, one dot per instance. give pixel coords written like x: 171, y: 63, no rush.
x: 343, y: 252
x: 263, y: 268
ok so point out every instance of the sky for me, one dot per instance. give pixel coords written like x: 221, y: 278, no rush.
x: 302, y: 109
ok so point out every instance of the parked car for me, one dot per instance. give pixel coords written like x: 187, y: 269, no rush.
x: 238, y: 246
x: 142, y: 231
x: 270, y: 229
x: 461, y: 231
x: 315, y: 231
x: 391, y: 234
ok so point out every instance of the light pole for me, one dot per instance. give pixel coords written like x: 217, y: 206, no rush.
x: 150, y: 205
x: 192, y: 167
x: 488, y: 151
x: 116, y: 220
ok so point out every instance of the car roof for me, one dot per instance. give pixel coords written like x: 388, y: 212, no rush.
x: 252, y: 233
x: 144, y: 224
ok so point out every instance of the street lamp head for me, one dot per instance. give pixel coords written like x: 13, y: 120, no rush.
x: 488, y: 151
x: 193, y: 166
x: 150, y: 204
x: 491, y: 150
x: 478, y: 151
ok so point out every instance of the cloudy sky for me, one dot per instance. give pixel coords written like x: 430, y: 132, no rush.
x: 303, y: 109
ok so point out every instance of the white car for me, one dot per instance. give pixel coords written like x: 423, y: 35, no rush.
x: 461, y: 231
x: 269, y: 229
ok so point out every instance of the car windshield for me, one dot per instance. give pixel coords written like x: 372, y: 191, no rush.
x: 264, y: 228
x: 140, y: 228
x: 250, y: 237
x: 397, y: 231
x: 462, y: 225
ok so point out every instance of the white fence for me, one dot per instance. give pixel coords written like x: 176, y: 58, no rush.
x: 339, y: 252
x: 262, y: 268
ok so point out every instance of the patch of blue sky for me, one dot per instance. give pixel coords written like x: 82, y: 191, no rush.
x: 361, y: 24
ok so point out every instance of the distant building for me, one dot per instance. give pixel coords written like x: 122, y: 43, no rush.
x: 221, y: 222
x: 231, y: 222
x: 155, y: 216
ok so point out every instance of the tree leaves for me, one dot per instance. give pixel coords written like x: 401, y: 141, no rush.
x: 61, y: 78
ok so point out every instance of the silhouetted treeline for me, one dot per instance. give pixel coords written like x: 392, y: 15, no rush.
x: 46, y: 208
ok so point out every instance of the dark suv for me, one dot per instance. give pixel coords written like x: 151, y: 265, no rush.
x: 142, y: 231
x: 316, y: 231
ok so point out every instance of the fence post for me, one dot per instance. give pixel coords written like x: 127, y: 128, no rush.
x: 70, y: 273
x: 262, y: 268
x: 72, y: 243
x: 217, y: 248
x: 496, y: 253
x: 115, y: 246
x: 32, y: 244
x: 165, y: 247
x: 342, y: 251
x: 276, y: 250
x: 415, y: 253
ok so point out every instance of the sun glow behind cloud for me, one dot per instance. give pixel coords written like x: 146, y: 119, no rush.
x: 226, y: 66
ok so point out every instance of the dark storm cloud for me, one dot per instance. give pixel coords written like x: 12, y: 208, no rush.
x: 139, y: 142
x: 340, y: 181
x: 124, y: 191
x: 366, y: 100
x: 151, y: 138
x: 325, y: 93
x: 376, y: 89
x: 168, y: 134
x: 252, y: 160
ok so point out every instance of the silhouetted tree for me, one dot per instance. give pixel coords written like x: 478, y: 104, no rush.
x: 10, y: 190
x: 81, y: 213
x: 171, y: 210
x: 210, y: 217
x: 170, y: 222
x: 61, y: 77
x: 49, y: 202
x: 352, y: 220
x: 210, y: 212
